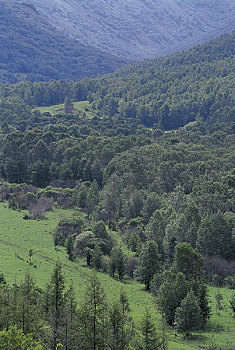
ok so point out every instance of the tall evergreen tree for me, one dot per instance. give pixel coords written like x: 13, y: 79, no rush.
x: 149, y: 263
x: 188, y: 316
x: 149, y: 338
x: 94, y: 317
x: 56, y: 304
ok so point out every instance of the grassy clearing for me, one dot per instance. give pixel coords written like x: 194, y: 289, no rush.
x: 80, y: 108
x: 18, y: 236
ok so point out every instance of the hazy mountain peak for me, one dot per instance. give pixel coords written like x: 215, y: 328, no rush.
x: 139, y: 28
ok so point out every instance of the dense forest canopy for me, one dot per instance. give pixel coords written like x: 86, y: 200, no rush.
x: 148, y: 165
x: 164, y: 93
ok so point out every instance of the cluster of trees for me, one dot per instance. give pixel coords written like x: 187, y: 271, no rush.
x: 163, y: 93
x: 55, y: 321
x: 172, y: 188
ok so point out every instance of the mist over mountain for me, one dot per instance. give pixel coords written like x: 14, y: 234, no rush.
x: 32, y: 49
x: 139, y: 29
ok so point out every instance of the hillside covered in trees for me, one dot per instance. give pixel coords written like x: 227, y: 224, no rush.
x: 139, y: 29
x: 163, y: 93
x: 32, y: 49
x: 147, y: 164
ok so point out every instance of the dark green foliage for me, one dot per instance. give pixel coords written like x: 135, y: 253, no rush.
x: 68, y: 228
x: 120, y: 323
x: 2, y: 278
x: 189, y: 262
x: 176, y: 90
x: 103, y: 238
x: 232, y: 304
x: 69, y: 244
x: 94, y: 317
x: 215, y: 236
x: 188, y: 316
x: 97, y: 257
x: 117, y: 263
x: 186, y: 274
x: 149, y: 263
x: 171, y: 293
x: 56, y: 303
x: 149, y: 338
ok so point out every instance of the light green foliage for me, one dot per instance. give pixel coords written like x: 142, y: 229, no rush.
x: 14, y: 339
x: 18, y: 236
x: 219, y: 300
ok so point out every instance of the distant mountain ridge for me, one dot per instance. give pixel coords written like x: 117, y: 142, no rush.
x: 32, y: 49
x: 139, y: 29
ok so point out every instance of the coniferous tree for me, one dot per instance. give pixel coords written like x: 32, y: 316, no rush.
x: 188, y: 316
x: 56, y: 304
x: 127, y: 324
x: 117, y: 263
x: 97, y: 257
x: 71, y: 322
x: 149, y: 338
x: 149, y: 263
x: 29, y: 305
x: 93, y: 317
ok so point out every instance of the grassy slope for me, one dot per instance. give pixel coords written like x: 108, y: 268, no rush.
x: 18, y: 236
x: 79, y: 108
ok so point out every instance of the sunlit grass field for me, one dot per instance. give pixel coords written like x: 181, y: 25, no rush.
x: 18, y: 237
x: 79, y: 108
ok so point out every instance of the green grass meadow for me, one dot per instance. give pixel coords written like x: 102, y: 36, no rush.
x: 79, y: 108
x: 18, y: 236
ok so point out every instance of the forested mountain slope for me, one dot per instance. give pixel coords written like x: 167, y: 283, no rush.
x: 140, y: 28
x: 32, y: 49
x: 175, y: 90
x: 166, y: 93
x: 136, y: 172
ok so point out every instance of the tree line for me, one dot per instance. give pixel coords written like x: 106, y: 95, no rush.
x: 54, y: 319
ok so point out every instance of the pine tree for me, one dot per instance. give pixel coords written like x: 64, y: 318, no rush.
x: 94, y: 317
x: 71, y: 333
x: 115, y: 325
x: 69, y: 243
x: 29, y: 308
x: 117, y: 263
x: 97, y: 257
x: 188, y: 316
x: 149, y: 339
x: 120, y: 324
x: 127, y: 324
x: 56, y: 304
x: 149, y: 263
x: 68, y: 105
